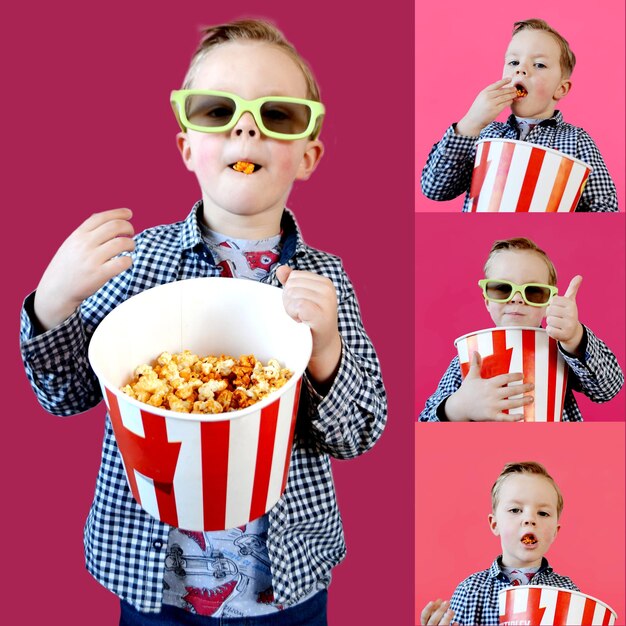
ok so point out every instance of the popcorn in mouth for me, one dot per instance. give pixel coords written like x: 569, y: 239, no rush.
x: 521, y: 91
x: 529, y: 539
x: 245, y: 167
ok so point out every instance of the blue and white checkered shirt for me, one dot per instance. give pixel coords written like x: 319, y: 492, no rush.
x: 598, y: 376
x: 124, y: 546
x: 475, y: 601
x: 448, y: 170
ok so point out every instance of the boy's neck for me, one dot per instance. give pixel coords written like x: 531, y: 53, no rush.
x: 242, y: 226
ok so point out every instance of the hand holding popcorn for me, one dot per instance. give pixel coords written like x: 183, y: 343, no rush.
x: 312, y: 300
x: 485, y: 399
x: 489, y: 103
x: 86, y: 260
x: 562, y: 319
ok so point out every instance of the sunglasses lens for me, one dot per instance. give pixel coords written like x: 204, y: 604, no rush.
x: 209, y: 110
x: 537, y: 294
x: 286, y: 118
x: 497, y: 291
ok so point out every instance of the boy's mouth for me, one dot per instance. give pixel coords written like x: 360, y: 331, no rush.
x: 522, y: 92
x: 529, y: 539
x: 245, y: 167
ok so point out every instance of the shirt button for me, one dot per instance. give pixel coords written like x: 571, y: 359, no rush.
x: 158, y: 544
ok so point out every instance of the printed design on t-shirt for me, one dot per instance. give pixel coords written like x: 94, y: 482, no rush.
x: 219, y: 574
x: 253, y: 264
x: 208, y: 601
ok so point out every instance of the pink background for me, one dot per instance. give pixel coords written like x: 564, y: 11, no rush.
x: 453, y: 483
x: 449, y: 303
x: 460, y: 50
x: 89, y: 127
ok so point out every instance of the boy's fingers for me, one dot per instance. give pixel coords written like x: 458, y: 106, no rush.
x: 97, y: 219
x: 513, y: 390
x: 505, y: 379
x: 500, y: 83
x: 573, y: 287
x: 475, y: 365
x: 282, y: 273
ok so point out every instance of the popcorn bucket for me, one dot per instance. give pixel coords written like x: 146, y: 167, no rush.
x: 516, y: 176
x: 536, y: 605
x: 197, y: 471
x: 530, y: 351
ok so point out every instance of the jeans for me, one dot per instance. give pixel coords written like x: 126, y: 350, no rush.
x: 309, y: 613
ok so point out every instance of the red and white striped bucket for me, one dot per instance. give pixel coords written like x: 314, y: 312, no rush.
x: 513, y: 349
x: 536, y: 605
x: 517, y: 176
x: 202, y: 472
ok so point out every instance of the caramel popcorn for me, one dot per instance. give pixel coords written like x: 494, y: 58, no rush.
x: 244, y: 166
x: 187, y: 383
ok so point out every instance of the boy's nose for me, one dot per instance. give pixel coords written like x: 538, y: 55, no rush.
x: 517, y: 298
x: 246, y: 126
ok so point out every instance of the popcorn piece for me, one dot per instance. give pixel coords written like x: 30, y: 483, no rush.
x: 244, y: 166
x: 521, y: 91
x: 186, y: 383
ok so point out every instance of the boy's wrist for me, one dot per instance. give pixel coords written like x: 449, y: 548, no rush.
x: 467, y: 128
x: 451, y: 408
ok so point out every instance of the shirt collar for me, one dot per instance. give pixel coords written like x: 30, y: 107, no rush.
x: 495, y: 571
x: 292, y: 242
x: 555, y: 120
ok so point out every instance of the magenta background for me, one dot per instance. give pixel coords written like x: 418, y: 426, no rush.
x: 460, y: 50
x: 89, y: 127
x: 450, y: 251
x: 453, y: 483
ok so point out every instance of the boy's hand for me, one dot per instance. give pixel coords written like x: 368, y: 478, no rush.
x: 437, y: 612
x: 311, y: 299
x: 489, y: 103
x: 84, y: 262
x: 484, y: 399
x: 562, y: 319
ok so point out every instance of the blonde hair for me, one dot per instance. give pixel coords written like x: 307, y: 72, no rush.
x: 520, y: 243
x: 568, y: 58
x: 249, y: 30
x: 525, y: 467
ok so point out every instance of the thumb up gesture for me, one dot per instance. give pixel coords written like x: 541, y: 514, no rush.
x: 562, y: 318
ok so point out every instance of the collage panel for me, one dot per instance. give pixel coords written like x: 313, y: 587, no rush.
x: 459, y: 535
x: 108, y: 139
x: 464, y: 63
x: 587, y: 253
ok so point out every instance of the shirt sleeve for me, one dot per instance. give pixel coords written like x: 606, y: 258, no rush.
x: 56, y: 364
x: 449, y: 383
x: 600, y: 193
x: 598, y: 374
x: 448, y: 170
x: 350, y: 418
x: 459, y: 604
x: 56, y: 361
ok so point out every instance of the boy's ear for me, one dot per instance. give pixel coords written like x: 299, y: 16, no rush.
x: 493, y: 524
x: 563, y: 89
x: 184, y: 149
x: 311, y: 157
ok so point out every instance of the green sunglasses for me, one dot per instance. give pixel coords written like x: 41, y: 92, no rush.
x: 279, y: 117
x: 533, y: 294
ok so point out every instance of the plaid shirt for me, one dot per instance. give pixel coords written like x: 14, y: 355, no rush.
x: 598, y: 376
x: 448, y: 170
x: 475, y: 601
x: 124, y: 546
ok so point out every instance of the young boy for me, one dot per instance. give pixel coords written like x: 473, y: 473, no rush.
x: 526, y: 507
x: 537, y: 69
x: 512, y: 266
x: 250, y: 116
